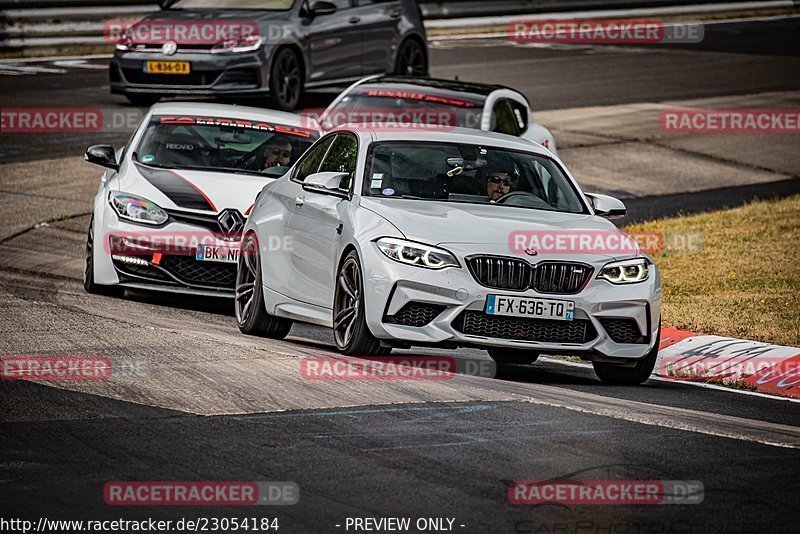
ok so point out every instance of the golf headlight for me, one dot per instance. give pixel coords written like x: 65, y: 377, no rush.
x: 125, y: 41
x: 416, y: 253
x: 247, y: 44
x: 626, y: 272
x: 137, y: 209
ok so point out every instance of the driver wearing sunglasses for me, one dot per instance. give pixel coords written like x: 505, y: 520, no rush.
x: 278, y: 151
x: 498, y: 183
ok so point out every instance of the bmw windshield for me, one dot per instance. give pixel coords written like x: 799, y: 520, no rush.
x: 222, y: 144
x: 447, y: 172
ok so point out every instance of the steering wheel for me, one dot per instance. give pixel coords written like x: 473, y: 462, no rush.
x: 523, y: 194
x: 513, y: 194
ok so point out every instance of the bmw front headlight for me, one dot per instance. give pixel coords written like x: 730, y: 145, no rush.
x: 626, y: 271
x: 137, y: 209
x: 416, y: 254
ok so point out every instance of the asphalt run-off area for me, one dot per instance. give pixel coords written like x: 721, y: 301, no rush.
x: 191, y: 399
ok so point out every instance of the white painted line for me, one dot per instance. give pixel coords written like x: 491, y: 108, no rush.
x: 657, y: 378
x: 79, y: 64
x: 19, y: 69
x: 609, y: 13
x: 709, y: 423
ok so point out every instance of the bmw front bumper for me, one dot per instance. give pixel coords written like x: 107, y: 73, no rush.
x: 408, y: 305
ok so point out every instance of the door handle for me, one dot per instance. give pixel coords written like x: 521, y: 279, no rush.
x: 354, y: 20
x: 299, y: 201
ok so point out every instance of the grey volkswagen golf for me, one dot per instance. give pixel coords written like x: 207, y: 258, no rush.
x: 277, y: 48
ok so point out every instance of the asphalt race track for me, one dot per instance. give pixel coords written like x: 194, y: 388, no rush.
x: 199, y: 401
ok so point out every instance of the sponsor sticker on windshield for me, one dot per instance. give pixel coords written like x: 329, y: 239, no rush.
x: 236, y: 123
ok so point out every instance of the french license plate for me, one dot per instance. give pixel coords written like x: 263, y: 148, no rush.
x: 167, y: 67
x: 215, y: 253
x: 562, y: 310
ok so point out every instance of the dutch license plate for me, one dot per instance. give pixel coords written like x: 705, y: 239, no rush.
x: 562, y: 310
x: 215, y: 253
x: 167, y: 67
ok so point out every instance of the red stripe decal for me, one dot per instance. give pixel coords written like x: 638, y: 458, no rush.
x: 213, y: 207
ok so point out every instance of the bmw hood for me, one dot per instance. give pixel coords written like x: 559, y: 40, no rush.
x: 499, y: 230
x: 192, y: 190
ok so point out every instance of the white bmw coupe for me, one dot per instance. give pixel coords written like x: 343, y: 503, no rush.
x: 448, y: 238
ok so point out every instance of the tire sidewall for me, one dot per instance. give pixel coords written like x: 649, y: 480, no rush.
x: 252, y: 321
x: 360, y: 328
x: 273, y: 81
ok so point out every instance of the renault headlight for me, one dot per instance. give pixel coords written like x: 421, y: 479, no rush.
x: 626, y: 272
x: 416, y: 253
x: 137, y: 209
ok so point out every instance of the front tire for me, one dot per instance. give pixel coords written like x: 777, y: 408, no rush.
x: 411, y: 59
x: 285, y: 80
x: 88, y: 270
x: 350, y: 328
x: 251, y: 314
x: 629, y: 376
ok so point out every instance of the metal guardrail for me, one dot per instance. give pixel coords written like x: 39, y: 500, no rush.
x: 441, y: 9
x: 53, y: 27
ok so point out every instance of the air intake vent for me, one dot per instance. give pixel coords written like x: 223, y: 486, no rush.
x: 415, y: 314
x: 623, y: 330
x: 477, y: 323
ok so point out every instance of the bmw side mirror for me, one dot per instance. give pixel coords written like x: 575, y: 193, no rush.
x: 322, y: 8
x: 328, y: 183
x: 102, y: 155
x: 606, y: 206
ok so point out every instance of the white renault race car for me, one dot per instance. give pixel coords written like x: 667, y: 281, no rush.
x: 392, y: 100
x: 451, y: 237
x: 171, y: 205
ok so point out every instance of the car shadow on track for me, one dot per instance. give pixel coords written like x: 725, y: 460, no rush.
x: 215, y: 305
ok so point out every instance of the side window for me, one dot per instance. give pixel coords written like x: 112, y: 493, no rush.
x: 342, y: 157
x: 503, y: 119
x: 312, y: 159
